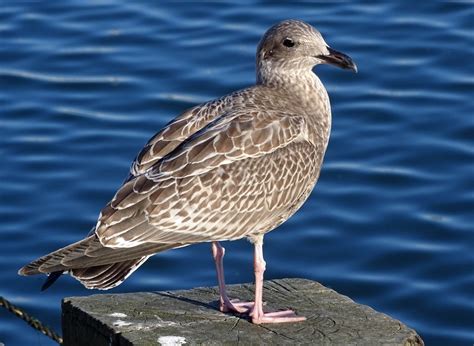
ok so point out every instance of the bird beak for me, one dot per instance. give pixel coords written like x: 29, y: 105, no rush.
x: 338, y: 59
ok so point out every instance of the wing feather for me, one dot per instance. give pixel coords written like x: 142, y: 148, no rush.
x: 234, y: 136
x: 179, y: 129
x: 89, y: 252
x: 233, y: 201
x: 172, y: 190
x: 107, y: 276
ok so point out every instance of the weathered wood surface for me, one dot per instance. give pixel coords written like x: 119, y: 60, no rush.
x: 172, y: 318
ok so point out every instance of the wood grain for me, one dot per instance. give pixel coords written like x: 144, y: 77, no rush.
x: 148, y: 318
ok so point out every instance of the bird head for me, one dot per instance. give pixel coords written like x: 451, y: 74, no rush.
x: 295, y: 46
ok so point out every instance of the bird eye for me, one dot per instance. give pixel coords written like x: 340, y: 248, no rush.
x: 288, y: 42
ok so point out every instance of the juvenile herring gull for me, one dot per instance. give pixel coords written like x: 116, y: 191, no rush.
x: 235, y: 167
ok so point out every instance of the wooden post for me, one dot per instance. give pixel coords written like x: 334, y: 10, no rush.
x: 191, y: 317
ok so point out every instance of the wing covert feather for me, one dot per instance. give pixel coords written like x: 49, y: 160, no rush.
x: 248, y: 196
x: 179, y: 129
x: 183, y: 169
x: 234, y: 136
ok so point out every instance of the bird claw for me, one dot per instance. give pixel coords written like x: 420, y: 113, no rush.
x: 235, y: 305
x: 248, y: 308
x: 284, y: 316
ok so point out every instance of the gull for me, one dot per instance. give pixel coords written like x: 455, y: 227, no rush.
x: 231, y: 168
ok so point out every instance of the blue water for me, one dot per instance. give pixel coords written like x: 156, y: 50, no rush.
x: 390, y: 223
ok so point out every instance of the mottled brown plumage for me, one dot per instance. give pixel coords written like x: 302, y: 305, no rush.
x: 232, y: 168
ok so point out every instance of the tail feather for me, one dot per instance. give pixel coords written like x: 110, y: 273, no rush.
x: 94, y: 265
x: 107, y: 276
x: 89, y: 252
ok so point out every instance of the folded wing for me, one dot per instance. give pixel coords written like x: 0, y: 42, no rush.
x: 207, y: 185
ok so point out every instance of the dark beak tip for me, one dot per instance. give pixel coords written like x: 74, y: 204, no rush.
x: 339, y: 59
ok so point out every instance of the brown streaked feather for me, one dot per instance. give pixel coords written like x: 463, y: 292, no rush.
x: 234, y: 136
x: 181, y: 128
x: 230, y: 202
x: 229, y: 139
x: 90, y: 252
x: 107, y: 276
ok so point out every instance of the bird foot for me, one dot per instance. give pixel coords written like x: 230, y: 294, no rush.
x: 276, y: 317
x: 235, y: 305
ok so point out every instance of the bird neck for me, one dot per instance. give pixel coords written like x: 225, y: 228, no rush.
x: 300, y: 81
x: 306, y: 90
x: 280, y: 75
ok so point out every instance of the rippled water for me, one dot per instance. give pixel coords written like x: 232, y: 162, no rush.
x: 390, y: 224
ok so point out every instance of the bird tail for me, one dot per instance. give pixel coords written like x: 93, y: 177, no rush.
x: 107, y: 276
x: 94, y: 265
x: 102, y: 277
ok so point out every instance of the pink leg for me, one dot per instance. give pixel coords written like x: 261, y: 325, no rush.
x: 226, y: 304
x: 257, y: 314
